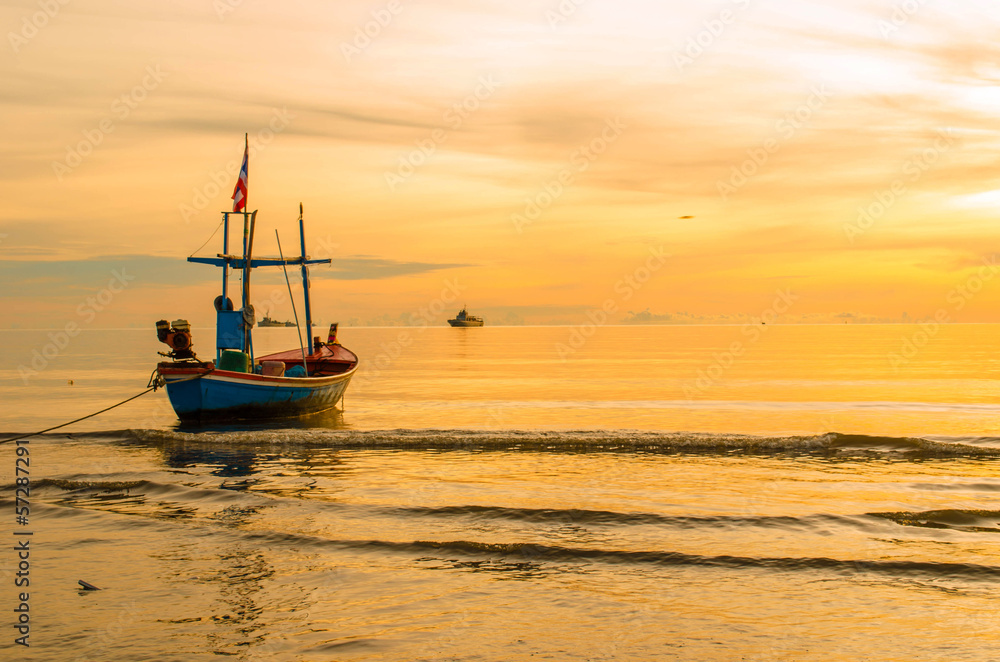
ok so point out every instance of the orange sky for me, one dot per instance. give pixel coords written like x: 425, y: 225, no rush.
x: 535, y: 155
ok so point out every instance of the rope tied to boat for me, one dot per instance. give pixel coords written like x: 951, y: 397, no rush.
x: 156, y: 381
x: 77, y: 420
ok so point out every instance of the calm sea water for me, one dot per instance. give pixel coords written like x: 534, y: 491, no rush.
x: 641, y: 493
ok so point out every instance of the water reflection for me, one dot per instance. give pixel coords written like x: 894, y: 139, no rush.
x: 332, y: 419
x: 500, y: 569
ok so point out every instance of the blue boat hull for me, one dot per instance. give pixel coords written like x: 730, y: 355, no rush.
x: 216, y: 395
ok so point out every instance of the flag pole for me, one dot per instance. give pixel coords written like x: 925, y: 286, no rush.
x: 247, y: 243
x: 246, y: 150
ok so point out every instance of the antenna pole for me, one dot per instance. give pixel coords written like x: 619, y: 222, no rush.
x: 225, y: 251
x: 284, y: 267
x: 305, y: 281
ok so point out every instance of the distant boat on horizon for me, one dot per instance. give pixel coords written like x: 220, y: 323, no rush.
x: 267, y: 321
x: 464, y: 319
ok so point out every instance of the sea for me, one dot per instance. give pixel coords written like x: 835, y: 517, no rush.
x: 728, y: 492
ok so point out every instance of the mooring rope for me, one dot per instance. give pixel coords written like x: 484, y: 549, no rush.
x: 155, y: 382
x: 25, y: 436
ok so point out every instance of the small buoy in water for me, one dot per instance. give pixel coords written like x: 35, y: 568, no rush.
x: 86, y: 586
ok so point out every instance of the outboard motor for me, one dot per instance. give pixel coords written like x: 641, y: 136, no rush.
x: 177, y: 336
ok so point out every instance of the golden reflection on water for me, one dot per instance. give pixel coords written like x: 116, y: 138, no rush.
x: 275, y: 544
x: 891, y: 380
x: 875, y: 379
x: 284, y: 550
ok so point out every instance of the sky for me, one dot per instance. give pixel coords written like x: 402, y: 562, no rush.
x: 538, y: 160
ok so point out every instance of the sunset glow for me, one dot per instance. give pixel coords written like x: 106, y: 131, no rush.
x: 532, y: 154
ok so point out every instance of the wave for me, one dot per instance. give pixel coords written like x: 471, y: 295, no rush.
x: 147, y: 488
x: 127, y: 498
x: 110, y: 494
x: 635, y: 441
x: 985, y: 521
x: 631, y: 441
x: 155, y: 498
x: 571, y: 554
x: 531, y: 558
x: 612, y: 518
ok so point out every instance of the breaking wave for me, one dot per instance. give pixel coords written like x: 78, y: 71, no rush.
x: 570, y: 441
x: 628, y: 441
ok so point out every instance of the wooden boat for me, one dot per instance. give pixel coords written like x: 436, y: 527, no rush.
x: 200, y: 392
x: 236, y: 385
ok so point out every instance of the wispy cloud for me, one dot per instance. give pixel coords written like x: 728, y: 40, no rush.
x: 353, y: 119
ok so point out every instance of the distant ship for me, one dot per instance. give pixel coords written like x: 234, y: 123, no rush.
x: 465, y: 319
x: 267, y: 321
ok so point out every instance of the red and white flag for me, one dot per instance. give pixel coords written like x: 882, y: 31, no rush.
x: 240, y: 194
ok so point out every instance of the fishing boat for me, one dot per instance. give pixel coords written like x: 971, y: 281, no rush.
x: 465, y: 319
x: 236, y: 385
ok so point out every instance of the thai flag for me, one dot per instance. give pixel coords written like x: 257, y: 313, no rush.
x: 240, y: 194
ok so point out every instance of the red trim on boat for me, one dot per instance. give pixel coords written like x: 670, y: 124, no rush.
x: 177, y: 370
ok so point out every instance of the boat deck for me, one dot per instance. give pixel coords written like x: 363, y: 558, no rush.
x: 325, y: 360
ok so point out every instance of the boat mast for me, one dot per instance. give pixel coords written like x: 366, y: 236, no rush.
x: 305, y: 281
x: 249, y: 316
x: 225, y: 280
x: 225, y: 251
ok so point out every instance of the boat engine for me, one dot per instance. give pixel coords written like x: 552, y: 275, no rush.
x: 177, y: 336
